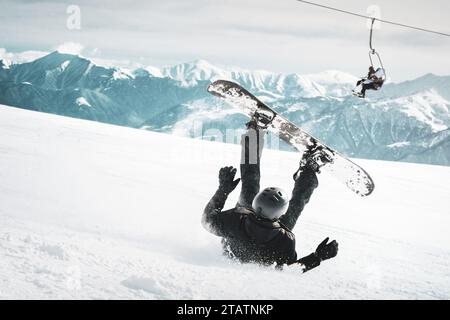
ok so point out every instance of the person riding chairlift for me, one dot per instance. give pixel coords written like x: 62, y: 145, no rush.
x: 374, y: 81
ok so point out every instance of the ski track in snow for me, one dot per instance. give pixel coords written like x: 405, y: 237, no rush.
x: 94, y: 211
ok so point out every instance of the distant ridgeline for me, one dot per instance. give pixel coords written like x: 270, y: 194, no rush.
x: 408, y: 121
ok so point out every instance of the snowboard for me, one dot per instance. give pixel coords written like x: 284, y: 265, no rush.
x: 345, y: 170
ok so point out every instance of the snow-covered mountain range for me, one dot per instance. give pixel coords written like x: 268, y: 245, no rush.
x: 406, y: 121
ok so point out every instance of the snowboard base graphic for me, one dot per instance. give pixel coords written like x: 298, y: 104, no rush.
x: 345, y: 170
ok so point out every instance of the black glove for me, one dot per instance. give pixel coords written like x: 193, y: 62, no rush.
x: 327, y: 251
x: 323, y: 252
x: 226, y: 179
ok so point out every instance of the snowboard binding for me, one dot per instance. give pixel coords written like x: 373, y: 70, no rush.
x: 314, y: 158
x: 262, y: 119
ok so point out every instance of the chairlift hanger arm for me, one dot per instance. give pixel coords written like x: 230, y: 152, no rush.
x: 371, y: 35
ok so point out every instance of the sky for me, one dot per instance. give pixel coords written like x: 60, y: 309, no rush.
x: 276, y: 35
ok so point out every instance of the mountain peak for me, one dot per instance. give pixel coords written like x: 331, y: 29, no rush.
x: 201, y: 63
x: 190, y: 72
x: 198, y: 64
x: 431, y: 77
x: 335, y: 76
x: 56, y: 54
x: 56, y: 59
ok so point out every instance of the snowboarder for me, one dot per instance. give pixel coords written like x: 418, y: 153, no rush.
x: 369, y: 75
x: 374, y: 81
x: 259, y: 228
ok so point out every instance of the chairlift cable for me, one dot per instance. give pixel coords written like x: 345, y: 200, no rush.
x: 373, y: 19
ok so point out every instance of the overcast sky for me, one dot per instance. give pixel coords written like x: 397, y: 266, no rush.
x: 276, y: 35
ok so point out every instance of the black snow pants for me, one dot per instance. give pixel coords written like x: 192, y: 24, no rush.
x: 368, y: 86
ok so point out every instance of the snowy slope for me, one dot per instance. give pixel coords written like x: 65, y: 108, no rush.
x: 90, y: 210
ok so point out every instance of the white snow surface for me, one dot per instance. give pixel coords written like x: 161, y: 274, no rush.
x: 154, y: 72
x: 81, y: 101
x: 95, y: 211
x: 64, y: 65
x: 122, y: 74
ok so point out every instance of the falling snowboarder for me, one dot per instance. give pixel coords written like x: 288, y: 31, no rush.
x: 259, y: 228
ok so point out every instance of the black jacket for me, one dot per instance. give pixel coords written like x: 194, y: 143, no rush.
x: 248, y: 237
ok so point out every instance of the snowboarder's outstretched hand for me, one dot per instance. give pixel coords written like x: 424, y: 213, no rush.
x: 327, y: 250
x: 226, y: 179
x: 324, y: 251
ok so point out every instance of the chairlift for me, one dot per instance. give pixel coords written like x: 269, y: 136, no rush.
x: 375, y: 78
x: 380, y: 71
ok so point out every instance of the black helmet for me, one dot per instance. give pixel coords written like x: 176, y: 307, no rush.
x: 271, y: 203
